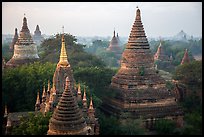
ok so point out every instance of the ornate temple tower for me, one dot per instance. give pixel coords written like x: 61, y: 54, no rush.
x: 67, y: 118
x: 185, y: 58
x: 37, y: 37
x: 138, y: 90
x: 62, y: 71
x: 15, y: 38
x: 160, y: 54
x: 25, y: 51
x: 114, y: 45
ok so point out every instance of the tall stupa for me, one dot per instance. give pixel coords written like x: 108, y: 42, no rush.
x: 37, y: 37
x: 137, y: 90
x: 25, y: 51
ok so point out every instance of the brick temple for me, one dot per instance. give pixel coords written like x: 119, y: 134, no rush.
x: 136, y: 90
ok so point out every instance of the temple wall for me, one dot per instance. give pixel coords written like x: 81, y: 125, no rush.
x: 25, y: 52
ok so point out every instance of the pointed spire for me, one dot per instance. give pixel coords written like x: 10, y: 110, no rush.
x: 25, y: 36
x: 37, y: 104
x: 15, y: 39
x: 54, y: 89
x: 79, y: 89
x: 37, y: 28
x: 84, y: 97
x: 91, y: 104
x: 25, y: 26
x: 48, y: 85
x: 185, y: 58
x: 44, y: 92
x: 38, y: 98
x: 114, y: 33
x: 63, y: 55
x: 84, y: 101
x: 138, y: 14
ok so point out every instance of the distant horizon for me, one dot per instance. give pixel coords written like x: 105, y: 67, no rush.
x: 89, y: 19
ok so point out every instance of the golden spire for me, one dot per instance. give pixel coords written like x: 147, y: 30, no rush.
x: 38, y: 99
x: 84, y: 97
x: 91, y: 104
x: 63, y: 55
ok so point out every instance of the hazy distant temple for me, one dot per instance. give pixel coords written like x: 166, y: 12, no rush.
x: 139, y: 92
x: 114, y: 45
x: 15, y: 39
x: 25, y: 50
x: 162, y: 60
x: 37, y: 37
x: 185, y: 58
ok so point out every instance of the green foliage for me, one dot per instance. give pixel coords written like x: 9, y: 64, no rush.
x: 99, y: 47
x: 35, y: 124
x: 110, y: 125
x: 50, y: 51
x: 165, y: 127
x: 97, y: 79
x: 20, y: 85
x: 177, y: 48
x: 189, y: 73
x: 6, y: 53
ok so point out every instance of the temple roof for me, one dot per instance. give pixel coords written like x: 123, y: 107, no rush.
x: 67, y: 116
x: 25, y: 36
x: 114, y: 44
x: 15, y: 38
x: 37, y: 31
x: 137, y: 70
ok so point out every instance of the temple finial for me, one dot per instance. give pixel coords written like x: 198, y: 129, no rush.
x: 84, y: 97
x: 62, y: 29
x: 91, y: 104
x: 24, y: 14
x: 114, y: 32
x: 63, y: 55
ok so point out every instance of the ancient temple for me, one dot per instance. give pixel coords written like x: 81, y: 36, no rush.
x: 162, y: 60
x: 25, y: 51
x: 62, y: 71
x: 114, y: 45
x: 160, y: 54
x: 67, y: 118
x: 137, y: 91
x: 15, y: 38
x: 185, y: 58
x: 37, y: 37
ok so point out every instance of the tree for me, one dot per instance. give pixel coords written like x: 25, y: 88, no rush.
x: 34, y: 124
x: 20, y: 85
x: 165, y: 127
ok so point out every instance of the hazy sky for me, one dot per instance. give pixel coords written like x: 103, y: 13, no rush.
x: 100, y: 18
